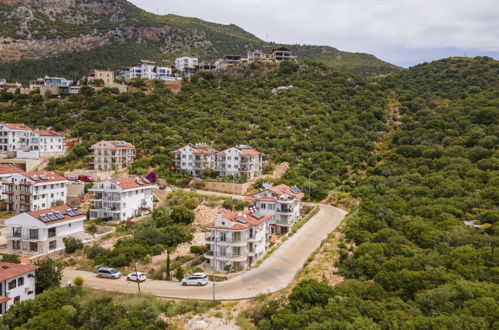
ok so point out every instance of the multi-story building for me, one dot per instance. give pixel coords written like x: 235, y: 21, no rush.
x: 122, y: 199
x: 113, y: 155
x: 195, y: 158
x: 237, y: 239
x: 240, y: 160
x: 186, y: 65
x: 282, y: 203
x: 146, y: 70
x: 17, y: 283
x: 107, y: 76
x: 6, y: 171
x: 257, y: 55
x: 31, y: 191
x: 282, y: 54
x: 21, y: 141
x: 43, y: 231
x: 228, y: 60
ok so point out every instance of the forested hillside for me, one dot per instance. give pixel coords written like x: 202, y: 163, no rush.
x: 410, y: 262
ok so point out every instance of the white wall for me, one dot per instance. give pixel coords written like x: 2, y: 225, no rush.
x: 21, y: 291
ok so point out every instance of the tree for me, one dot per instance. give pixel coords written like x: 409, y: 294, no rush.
x: 91, y: 229
x: 48, y: 275
x: 57, y: 203
x: 12, y: 258
x: 72, y: 244
x: 181, y: 214
x: 179, y: 273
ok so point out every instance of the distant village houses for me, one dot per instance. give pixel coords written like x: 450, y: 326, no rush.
x: 107, y: 77
x: 146, y: 69
x: 186, y: 65
x: 54, y: 86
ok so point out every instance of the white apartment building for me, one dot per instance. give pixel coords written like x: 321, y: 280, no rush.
x: 237, y: 239
x: 17, y: 283
x: 186, y: 64
x: 32, y: 191
x: 6, y: 171
x: 43, y: 231
x: 122, y: 199
x: 21, y: 141
x: 147, y: 70
x: 113, y: 155
x: 282, y: 203
x: 240, y: 160
x: 194, y: 158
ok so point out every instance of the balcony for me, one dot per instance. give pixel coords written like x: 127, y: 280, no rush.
x: 238, y: 256
x: 284, y: 211
x: 232, y: 241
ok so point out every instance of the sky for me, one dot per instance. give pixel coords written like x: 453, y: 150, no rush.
x: 402, y: 32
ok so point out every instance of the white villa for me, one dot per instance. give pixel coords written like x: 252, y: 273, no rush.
x: 42, y: 231
x: 147, y: 70
x: 282, y: 203
x: 194, y: 158
x: 21, y: 141
x: 237, y: 239
x: 257, y: 55
x: 186, y: 65
x: 17, y: 283
x: 240, y: 160
x: 113, y: 155
x: 122, y: 199
x: 32, y: 191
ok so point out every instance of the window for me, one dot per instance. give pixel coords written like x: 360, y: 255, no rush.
x: 33, y: 246
x: 17, y: 299
x: 263, y: 205
x: 51, y: 232
x: 20, y: 281
x: 33, y: 233
x: 16, y: 245
x: 52, y: 245
x: 12, y: 284
x: 16, y: 231
x: 52, y: 195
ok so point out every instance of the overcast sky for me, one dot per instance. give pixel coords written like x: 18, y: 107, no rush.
x: 403, y: 32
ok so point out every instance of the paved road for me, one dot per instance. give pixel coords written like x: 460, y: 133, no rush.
x: 275, y: 273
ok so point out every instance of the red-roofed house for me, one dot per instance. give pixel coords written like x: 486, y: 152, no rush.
x: 17, y: 283
x: 237, y: 239
x: 240, y: 160
x: 282, y: 203
x: 30, y: 191
x: 21, y: 141
x: 122, y: 199
x: 42, y: 231
x: 194, y: 158
x: 113, y: 155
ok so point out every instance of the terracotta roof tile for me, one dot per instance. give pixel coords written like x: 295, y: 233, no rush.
x: 8, y: 270
x: 9, y: 168
x: 115, y: 145
x: 16, y: 126
x: 51, y: 176
x: 44, y: 132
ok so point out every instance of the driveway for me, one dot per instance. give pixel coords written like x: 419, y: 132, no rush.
x: 275, y: 273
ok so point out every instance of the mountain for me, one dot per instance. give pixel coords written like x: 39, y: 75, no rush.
x: 66, y: 37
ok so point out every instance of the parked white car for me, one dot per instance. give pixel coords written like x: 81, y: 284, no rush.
x: 136, y: 277
x: 198, y: 279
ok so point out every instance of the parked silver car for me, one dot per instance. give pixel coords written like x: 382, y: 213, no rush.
x: 198, y: 279
x: 108, y: 273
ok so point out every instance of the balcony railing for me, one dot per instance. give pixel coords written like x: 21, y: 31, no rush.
x: 225, y: 240
x: 227, y: 254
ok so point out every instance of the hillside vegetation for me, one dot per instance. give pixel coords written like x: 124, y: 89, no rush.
x: 409, y: 260
x: 68, y: 38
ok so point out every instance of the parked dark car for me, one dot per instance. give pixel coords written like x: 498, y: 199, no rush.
x: 85, y: 178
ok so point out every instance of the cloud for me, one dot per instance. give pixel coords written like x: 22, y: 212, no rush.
x: 403, y: 32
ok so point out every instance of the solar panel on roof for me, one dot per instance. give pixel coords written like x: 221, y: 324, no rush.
x: 257, y: 214
x: 241, y: 220
x: 146, y: 180
x: 266, y: 185
x: 51, y: 217
x: 296, y: 190
x: 71, y: 213
x: 77, y: 212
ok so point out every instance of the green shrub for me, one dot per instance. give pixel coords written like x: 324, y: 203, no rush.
x: 72, y: 244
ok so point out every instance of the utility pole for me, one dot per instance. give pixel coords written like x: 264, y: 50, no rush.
x: 214, y: 258
x: 137, y: 275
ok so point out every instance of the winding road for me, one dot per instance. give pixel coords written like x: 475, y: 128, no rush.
x: 275, y: 273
